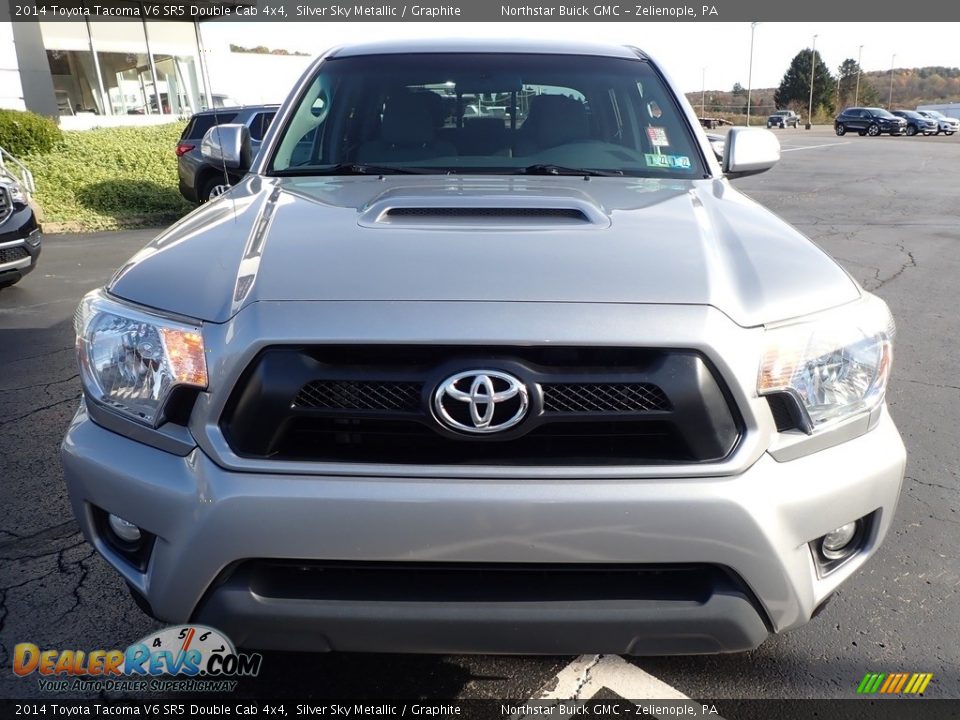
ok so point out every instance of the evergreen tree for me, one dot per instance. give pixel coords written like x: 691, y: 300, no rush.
x: 848, y: 72
x: 794, y: 89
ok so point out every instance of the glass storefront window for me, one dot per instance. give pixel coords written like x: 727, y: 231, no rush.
x: 125, y: 85
x: 177, y: 76
x: 125, y: 67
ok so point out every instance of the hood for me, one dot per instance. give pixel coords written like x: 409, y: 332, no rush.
x: 431, y: 238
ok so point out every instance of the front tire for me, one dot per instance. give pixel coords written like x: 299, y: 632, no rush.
x: 873, y: 130
x: 841, y: 129
x: 911, y: 130
x: 948, y: 132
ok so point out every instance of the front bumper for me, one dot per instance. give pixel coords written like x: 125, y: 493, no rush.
x: 20, y: 236
x: 755, y: 526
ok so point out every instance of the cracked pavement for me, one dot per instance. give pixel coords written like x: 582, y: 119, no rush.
x: 886, y: 208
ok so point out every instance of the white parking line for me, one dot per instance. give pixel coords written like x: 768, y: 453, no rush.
x: 589, y: 675
x: 813, y: 147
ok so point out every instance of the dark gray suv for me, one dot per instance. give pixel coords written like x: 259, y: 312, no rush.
x: 199, y: 180
x: 870, y: 121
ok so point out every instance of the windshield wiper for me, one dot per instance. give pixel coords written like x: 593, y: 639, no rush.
x: 548, y: 169
x: 353, y: 169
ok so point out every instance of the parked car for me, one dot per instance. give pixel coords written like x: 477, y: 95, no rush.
x: 917, y: 123
x: 551, y: 387
x: 869, y: 121
x: 945, y: 125
x: 199, y: 180
x: 19, y: 232
x: 783, y: 119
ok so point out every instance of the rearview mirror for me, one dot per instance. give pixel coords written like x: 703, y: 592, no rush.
x: 750, y: 151
x: 227, y: 145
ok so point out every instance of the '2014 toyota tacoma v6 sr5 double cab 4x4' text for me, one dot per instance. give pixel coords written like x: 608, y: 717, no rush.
x: 485, y: 354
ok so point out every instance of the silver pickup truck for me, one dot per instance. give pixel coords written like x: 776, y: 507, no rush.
x: 783, y: 119
x: 540, y: 381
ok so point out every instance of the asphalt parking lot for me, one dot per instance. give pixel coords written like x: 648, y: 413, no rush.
x: 886, y: 208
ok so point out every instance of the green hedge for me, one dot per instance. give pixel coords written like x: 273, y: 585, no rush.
x: 23, y: 133
x: 111, y: 178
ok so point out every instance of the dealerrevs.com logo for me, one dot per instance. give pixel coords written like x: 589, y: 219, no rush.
x: 191, y: 658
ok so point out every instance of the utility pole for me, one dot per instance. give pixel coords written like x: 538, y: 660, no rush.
x: 753, y: 26
x: 890, y: 98
x: 856, y: 99
x: 813, y: 67
x: 703, y: 89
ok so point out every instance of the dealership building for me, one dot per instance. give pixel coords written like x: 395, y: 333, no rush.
x: 104, y: 67
x: 118, y: 72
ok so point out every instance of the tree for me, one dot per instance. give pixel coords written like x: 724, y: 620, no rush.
x: 848, y: 72
x: 795, y: 87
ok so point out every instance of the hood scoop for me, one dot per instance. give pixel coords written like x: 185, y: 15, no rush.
x: 484, y: 213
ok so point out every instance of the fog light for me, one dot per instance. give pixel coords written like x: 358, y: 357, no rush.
x: 126, y: 531
x: 836, y: 544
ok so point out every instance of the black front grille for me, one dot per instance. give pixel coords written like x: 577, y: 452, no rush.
x: 479, y: 582
x: 5, y: 204
x: 604, y: 397
x: 374, y: 404
x: 411, y: 442
x: 557, y: 398
x: 9, y: 255
x: 359, y: 395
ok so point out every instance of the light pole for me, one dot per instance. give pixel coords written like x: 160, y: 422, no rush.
x: 890, y: 98
x: 813, y: 67
x: 856, y: 99
x: 703, y: 89
x: 753, y: 26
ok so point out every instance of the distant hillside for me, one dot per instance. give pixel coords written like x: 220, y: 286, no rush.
x: 911, y: 87
x: 263, y: 50
x: 917, y: 86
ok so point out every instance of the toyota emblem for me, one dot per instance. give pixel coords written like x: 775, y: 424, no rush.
x: 481, y: 401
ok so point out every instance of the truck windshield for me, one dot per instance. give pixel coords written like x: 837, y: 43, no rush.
x: 468, y: 113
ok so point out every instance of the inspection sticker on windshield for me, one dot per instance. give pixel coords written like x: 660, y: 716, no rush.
x: 658, y: 137
x: 681, y: 162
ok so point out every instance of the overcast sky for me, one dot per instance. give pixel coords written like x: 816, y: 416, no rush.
x: 684, y: 49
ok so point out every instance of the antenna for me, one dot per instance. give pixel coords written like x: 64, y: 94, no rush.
x: 216, y: 113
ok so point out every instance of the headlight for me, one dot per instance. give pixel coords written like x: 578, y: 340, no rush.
x: 131, y: 360
x: 16, y: 193
x: 836, y: 366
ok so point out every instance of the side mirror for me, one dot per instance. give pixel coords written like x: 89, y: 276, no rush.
x: 750, y: 151
x: 227, y: 145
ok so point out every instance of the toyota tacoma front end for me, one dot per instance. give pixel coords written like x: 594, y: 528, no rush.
x: 485, y: 354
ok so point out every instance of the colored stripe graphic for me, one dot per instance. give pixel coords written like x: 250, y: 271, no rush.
x: 894, y: 683
x: 891, y: 681
x: 903, y: 679
x: 915, y: 680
